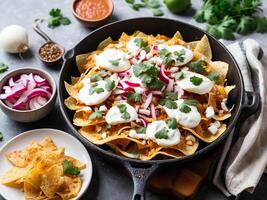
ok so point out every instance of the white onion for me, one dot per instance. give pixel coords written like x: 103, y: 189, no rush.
x: 14, y: 39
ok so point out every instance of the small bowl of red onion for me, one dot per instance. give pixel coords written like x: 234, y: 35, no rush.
x: 27, y: 94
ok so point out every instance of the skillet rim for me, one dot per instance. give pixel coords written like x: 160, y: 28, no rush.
x: 109, y: 155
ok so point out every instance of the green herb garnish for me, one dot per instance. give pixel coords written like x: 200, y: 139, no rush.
x: 179, y: 76
x: 179, y: 55
x: 184, y: 107
x: 140, y: 130
x: 169, y: 100
x: 110, y: 85
x: 123, y: 111
x: 56, y: 18
x: 96, y: 114
x: 170, y: 57
x: 99, y: 90
x: 171, y: 123
x: 115, y: 62
x: 140, y: 43
x: 196, y: 80
x: 153, y: 5
x: 69, y: 168
x: 162, y: 134
x: 3, y: 67
x: 148, y: 73
x: 227, y: 17
x: 214, y: 76
x: 133, y: 96
x: 197, y: 66
x: 98, y: 76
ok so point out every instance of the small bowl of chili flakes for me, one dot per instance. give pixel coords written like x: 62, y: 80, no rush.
x: 92, y: 13
x: 51, y: 53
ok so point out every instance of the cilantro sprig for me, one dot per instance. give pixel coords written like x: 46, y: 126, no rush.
x: 170, y: 57
x: 224, y: 18
x: 3, y: 67
x: 56, y: 18
x: 98, y: 76
x: 153, y: 5
x: 148, y: 73
x: 123, y: 110
x: 162, y: 134
x: 169, y: 100
x: 184, y: 107
x: 133, y: 96
x: 96, y: 114
x: 69, y: 168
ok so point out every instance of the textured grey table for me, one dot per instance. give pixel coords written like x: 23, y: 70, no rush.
x: 108, y: 183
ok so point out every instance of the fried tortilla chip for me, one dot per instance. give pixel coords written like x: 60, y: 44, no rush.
x: 203, y: 47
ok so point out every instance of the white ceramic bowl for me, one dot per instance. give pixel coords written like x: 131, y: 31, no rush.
x: 73, y: 147
x: 29, y: 115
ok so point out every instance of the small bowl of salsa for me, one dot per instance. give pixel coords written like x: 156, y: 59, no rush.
x: 92, y: 13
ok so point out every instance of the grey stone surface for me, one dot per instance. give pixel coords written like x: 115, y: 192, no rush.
x: 109, y: 182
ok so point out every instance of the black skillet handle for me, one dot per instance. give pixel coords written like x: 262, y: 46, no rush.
x: 140, y: 176
x: 251, y: 104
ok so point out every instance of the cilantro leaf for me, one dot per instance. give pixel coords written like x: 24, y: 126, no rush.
x: 171, y: 96
x: 133, y: 96
x: 99, y: 90
x: 3, y: 67
x: 157, y: 12
x: 110, y: 85
x: 69, y: 168
x: 171, y: 123
x: 115, y: 62
x: 179, y: 55
x: 162, y: 134
x: 197, y: 66
x: 130, y: 1
x: 96, y: 114
x: 140, y: 42
x: 214, y: 76
x: 261, y: 25
x: 184, y: 107
x: 122, y: 108
x: 246, y: 25
x: 196, y: 80
x: 56, y: 18
x: 126, y: 115
x: 98, y: 76
x: 140, y: 130
x: 179, y: 76
x: 168, y: 103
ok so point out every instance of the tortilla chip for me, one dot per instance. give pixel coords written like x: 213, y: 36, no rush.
x: 221, y: 68
x: 192, y: 44
x: 70, y: 187
x: 80, y: 165
x: 51, y: 180
x: 73, y: 104
x: 104, y: 43
x: 74, y: 80
x: 81, y: 61
x: 203, y: 47
x: 14, y: 176
x: 207, y: 136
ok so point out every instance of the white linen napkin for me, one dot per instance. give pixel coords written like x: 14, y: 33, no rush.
x: 247, y: 158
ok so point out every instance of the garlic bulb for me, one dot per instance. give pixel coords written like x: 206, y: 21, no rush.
x: 14, y: 39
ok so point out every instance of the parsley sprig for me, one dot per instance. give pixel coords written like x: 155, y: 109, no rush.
x: 224, y: 18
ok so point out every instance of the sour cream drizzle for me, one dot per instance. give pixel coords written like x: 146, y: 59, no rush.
x: 173, y: 134
x: 185, y: 83
x: 189, y: 120
x: 113, y: 60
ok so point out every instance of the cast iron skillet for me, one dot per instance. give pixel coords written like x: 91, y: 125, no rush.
x: 245, y: 102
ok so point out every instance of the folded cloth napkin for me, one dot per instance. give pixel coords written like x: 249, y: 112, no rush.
x: 246, y: 160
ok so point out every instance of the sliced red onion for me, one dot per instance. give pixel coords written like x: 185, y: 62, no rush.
x: 38, y: 79
x: 163, y: 88
x: 11, y: 82
x: 156, y: 92
x: 15, y: 91
x: 118, y: 91
x: 132, y: 84
x: 41, y: 100
x: 155, y: 48
x: 148, y: 101
x: 8, y: 103
x: 170, y: 86
x: 123, y: 74
x: 163, y: 76
x: 144, y: 122
x: 38, y: 92
x: 144, y: 112
x: 153, y: 111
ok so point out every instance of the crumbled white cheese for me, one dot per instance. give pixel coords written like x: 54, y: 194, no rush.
x: 213, y: 128
x: 103, y: 108
x: 209, y: 112
x: 104, y: 135
x: 224, y: 106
